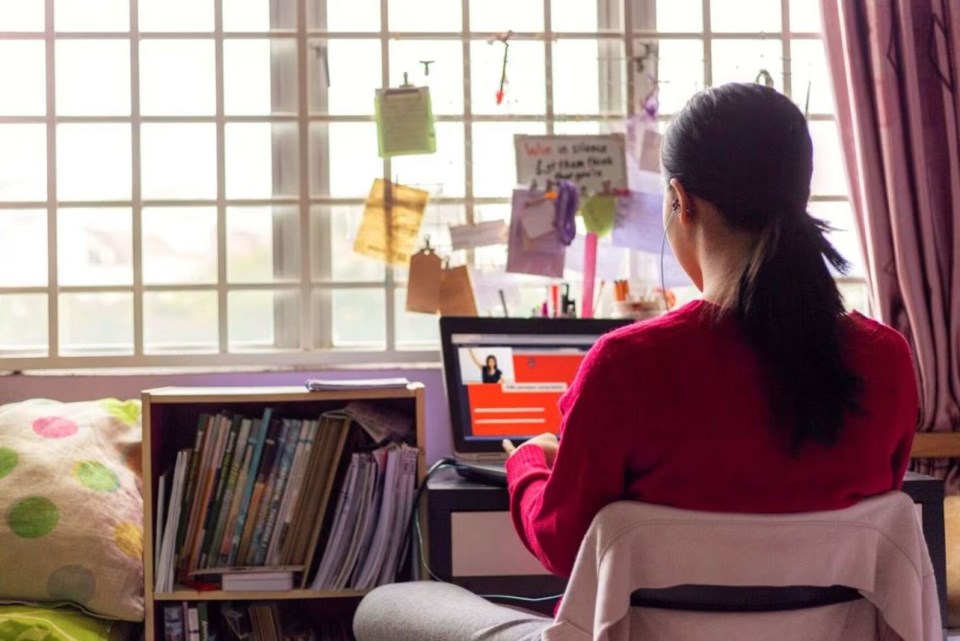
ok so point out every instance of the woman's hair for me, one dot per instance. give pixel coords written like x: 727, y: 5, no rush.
x: 489, y: 358
x: 746, y: 149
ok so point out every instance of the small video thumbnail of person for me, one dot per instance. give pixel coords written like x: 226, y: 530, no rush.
x: 486, y: 364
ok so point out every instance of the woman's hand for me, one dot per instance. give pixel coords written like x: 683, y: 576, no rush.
x: 547, y: 442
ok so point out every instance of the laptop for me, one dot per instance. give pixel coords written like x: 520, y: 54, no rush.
x: 504, y: 378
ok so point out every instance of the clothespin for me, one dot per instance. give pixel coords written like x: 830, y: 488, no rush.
x: 426, y: 243
x: 406, y: 81
x: 426, y: 66
x: 765, y: 76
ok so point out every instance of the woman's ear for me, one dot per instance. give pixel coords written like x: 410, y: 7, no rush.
x: 682, y: 204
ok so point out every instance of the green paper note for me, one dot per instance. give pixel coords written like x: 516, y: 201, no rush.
x: 404, y: 122
x: 599, y: 213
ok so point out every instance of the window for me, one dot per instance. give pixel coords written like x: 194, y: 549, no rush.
x: 180, y: 180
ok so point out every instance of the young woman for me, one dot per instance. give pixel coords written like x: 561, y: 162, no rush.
x: 491, y: 373
x: 762, y: 397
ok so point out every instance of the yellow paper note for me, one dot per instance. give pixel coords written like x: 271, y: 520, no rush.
x: 391, y: 222
x: 405, y: 122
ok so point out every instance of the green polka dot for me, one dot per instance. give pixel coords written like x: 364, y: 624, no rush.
x: 8, y: 461
x: 127, y: 411
x: 72, y: 583
x: 96, y: 476
x: 33, y: 517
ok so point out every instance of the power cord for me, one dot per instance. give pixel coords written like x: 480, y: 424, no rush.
x: 414, y: 525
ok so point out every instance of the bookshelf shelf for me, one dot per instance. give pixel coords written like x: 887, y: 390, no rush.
x: 288, y: 595
x: 170, y: 425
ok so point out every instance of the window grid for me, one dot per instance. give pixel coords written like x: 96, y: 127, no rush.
x: 315, y: 329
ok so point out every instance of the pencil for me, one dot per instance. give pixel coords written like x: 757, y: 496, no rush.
x: 596, y: 301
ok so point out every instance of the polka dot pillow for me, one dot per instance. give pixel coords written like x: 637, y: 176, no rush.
x: 71, y: 511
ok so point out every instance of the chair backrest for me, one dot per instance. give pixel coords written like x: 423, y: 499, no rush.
x: 865, y: 559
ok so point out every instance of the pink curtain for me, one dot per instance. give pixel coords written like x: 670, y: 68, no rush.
x: 894, y: 66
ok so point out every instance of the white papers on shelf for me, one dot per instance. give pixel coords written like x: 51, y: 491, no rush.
x: 323, y: 384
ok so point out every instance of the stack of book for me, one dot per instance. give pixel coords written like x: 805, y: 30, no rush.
x: 260, y: 621
x: 251, y: 493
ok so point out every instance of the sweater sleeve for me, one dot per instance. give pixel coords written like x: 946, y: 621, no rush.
x: 552, y: 509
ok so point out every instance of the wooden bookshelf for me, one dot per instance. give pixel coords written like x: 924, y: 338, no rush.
x: 170, y: 423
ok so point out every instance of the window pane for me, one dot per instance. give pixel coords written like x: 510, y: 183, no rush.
x: 263, y: 320
x: 845, y: 239
x: 177, y: 78
x: 741, y: 61
x: 856, y: 296
x: 96, y: 323
x: 829, y: 172
x: 685, y: 16
x: 179, y: 245
x: 92, y: 15
x: 588, y: 77
x: 440, y: 173
x: 336, y: 247
x: 347, y: 168
x: 446, y: 72
x: 176, y: 15
x: 493, y: 257
x: 262, y: 159
x: 178, y: 161
x: 424, y: 15
x: 745, y: 15
x: 354, y: 67
x: 179, y: 321
x: 253, y: 85
x: 572, y: 16
x: 494, y: 160
x: 95, y: 246
x: 359, y: 318
x: 680, y: 72
x: 23, y: 248
x: 259, y: 15
x: 23, y: 325
x: 525, y: 90
x: 263, y: 244
x: 808, y: 68
x: 525, y: 15
x: 355, y: 15
x: 805, y: 16
x: 414, y: 329
x: 23, y: 75
x: 21, y: 15
x: 23, y: 162
x: 93, y: 162
x: 93, y: 77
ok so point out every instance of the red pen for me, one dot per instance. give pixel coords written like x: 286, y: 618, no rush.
x: 555, y: 299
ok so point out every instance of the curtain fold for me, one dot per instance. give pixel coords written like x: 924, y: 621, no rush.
x: 894, y: 68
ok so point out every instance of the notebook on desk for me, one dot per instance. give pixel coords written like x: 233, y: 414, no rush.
x: 504, y: 377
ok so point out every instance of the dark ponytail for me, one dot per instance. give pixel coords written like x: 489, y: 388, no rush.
x: 746, y: 149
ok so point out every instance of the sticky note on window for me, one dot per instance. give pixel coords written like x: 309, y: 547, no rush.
x: 599, y: 213
x: 405, y: 122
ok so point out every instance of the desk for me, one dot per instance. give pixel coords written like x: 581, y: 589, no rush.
x: 486, y: 557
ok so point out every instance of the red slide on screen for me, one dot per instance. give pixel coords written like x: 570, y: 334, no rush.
x: 528, y: 405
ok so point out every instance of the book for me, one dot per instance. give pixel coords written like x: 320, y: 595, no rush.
x: 336, y: 538
x: 263, y: 539
x: 291, y: 494
x: 191, y: 480
x: 226, y: 502
x: 258, y: 581
x: 161, y: 513
x: 164, y: 571
x: 173, y: 624
x: 323, y: 384
x: 221, y: 473
x: 193, y: 622
x: 243, y: 472
x: 204, y: 616
x: 244, y: 501
x: 373, y: 562
x: 377, y: 463
x: 405, y: 490
x: 289, y: 430
x: 208, y: 470
x: 267, y: 462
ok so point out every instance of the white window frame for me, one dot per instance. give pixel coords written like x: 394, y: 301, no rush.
x: 312, y: 347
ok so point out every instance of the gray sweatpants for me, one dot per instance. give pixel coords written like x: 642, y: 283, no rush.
x: 431, y: 611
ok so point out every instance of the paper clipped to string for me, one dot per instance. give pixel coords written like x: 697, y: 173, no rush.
x: 542, y: 255
x: 423, y: 282
x: 405, y: 122
x: 391, y: 222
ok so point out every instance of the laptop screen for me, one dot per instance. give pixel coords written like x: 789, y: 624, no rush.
x: 504, y: 377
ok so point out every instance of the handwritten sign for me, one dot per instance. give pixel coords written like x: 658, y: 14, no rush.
x: 588, y: 161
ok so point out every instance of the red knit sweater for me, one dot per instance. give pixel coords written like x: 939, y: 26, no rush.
x: 672, y: 411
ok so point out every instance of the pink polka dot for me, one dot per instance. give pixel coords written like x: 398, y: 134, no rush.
x: 54, y: 427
